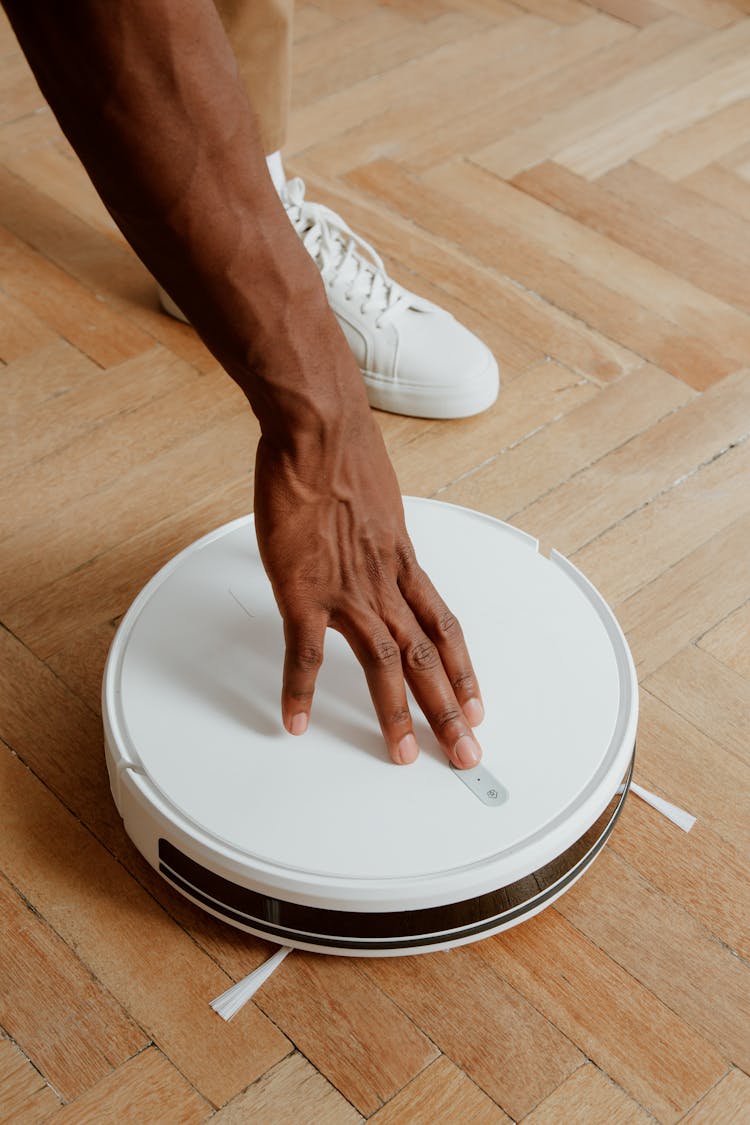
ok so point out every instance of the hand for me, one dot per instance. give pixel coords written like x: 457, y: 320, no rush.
x: 333, y: 540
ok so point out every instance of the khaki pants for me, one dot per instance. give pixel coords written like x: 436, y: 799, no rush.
x: 260, y: 32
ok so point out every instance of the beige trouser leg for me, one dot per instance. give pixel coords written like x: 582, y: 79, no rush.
x: 260, y: 32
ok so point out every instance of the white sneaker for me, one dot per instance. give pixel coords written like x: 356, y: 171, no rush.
x: 415, y: 357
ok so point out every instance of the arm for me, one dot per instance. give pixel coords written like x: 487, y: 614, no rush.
x: 147, y: 92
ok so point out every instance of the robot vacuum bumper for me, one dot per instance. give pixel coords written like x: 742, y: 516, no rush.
x: 322, y: 843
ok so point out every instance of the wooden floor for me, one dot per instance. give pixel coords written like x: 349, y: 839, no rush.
x: 572, y: 180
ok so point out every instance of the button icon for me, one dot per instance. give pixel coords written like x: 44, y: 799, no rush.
x: 492, y: 793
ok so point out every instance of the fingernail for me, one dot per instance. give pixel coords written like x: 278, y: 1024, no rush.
x: 407, y: 750
x: 299, y: 723
x: 474, y: 711
x: 466, y: 750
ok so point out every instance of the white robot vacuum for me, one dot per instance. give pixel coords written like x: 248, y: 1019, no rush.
x: 320, y: 842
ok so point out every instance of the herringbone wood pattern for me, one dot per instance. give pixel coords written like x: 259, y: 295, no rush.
x: 571, y: 179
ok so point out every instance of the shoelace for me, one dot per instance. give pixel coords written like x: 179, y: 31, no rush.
x: 338, y: 252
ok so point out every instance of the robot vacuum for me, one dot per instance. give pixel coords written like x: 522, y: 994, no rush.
x: 321, y: 842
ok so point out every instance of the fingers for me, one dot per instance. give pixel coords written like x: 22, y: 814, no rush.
x: 444, y: 631
x: 380, y: 658
x: 302, y: 661
x: 429, y: 680
x: 416, y: 639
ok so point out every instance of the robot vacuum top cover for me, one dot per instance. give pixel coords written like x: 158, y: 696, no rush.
x: 193, y: 730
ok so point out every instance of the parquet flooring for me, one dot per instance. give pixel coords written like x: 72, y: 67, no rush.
x: 572, y: 179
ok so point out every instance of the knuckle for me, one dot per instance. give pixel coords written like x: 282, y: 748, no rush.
x: 448, y: 627
x: 448, y: 623
x: 406, y: 556
x: 422, y: 656
x: 464, y: 682
x: 384, y: 652
x: 444, y: 717
x: 307, y: 657
x: 399, y: 716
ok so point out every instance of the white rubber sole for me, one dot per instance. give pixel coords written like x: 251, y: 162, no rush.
x: 473, y: 396
x: 169, y: 306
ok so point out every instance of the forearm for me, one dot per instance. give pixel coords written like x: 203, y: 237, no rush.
x: 148, y: 94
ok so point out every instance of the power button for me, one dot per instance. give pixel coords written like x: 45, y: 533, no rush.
x: 483, y: 785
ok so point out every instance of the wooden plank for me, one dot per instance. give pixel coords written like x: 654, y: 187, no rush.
x: 126, y: 940
x: 107, y: 271
x: 55, y: 171
x: 645, y: 234
x: 152, y: 489
x: 645, y: 469
x: 728, y: 1102
x: 65, y: 306
x: 738, y: 161
x: 412, y: 87
x: 677, y: 760
x: 708, y: 12
x: 598, y: 64
x: 103, y: 588
x: 682, y: 207
x: 66, y: 754
x: 614, y: 268
x: 101, y: 455
x: 628, y: 136
x: 65, y: 749
x: 342, y: 67
x: 323, y: 49
x: 722, y: 187
x: 644, y: 1046
x: 653, y: 537
x: 147, y: 1088
x: 663, y: 947
x: 46, y: 989
x: 482, y: 1023
x: 713, y: 697
x: 25, y: 1098
x: 536, y: 263
x: 704, y: 872
x: 309, y: 20
x: 729, y: 641
x: 21, y: 332
x: 640, y: 13
x: 677, y: 607
x: 443, y: 453
x: 441, y: 1093
x: 80, y: 663
x: 54, y: 369
x: 367, y: 1046
x: 510, y: 482
x: 291, y: 1092
x: 19, y: 93
x: 706, y: 140
x: 588, y: 1095
x: 600, y: 109
x: 520, y: 81
x: 559, y: 11
x: 96, y: 401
